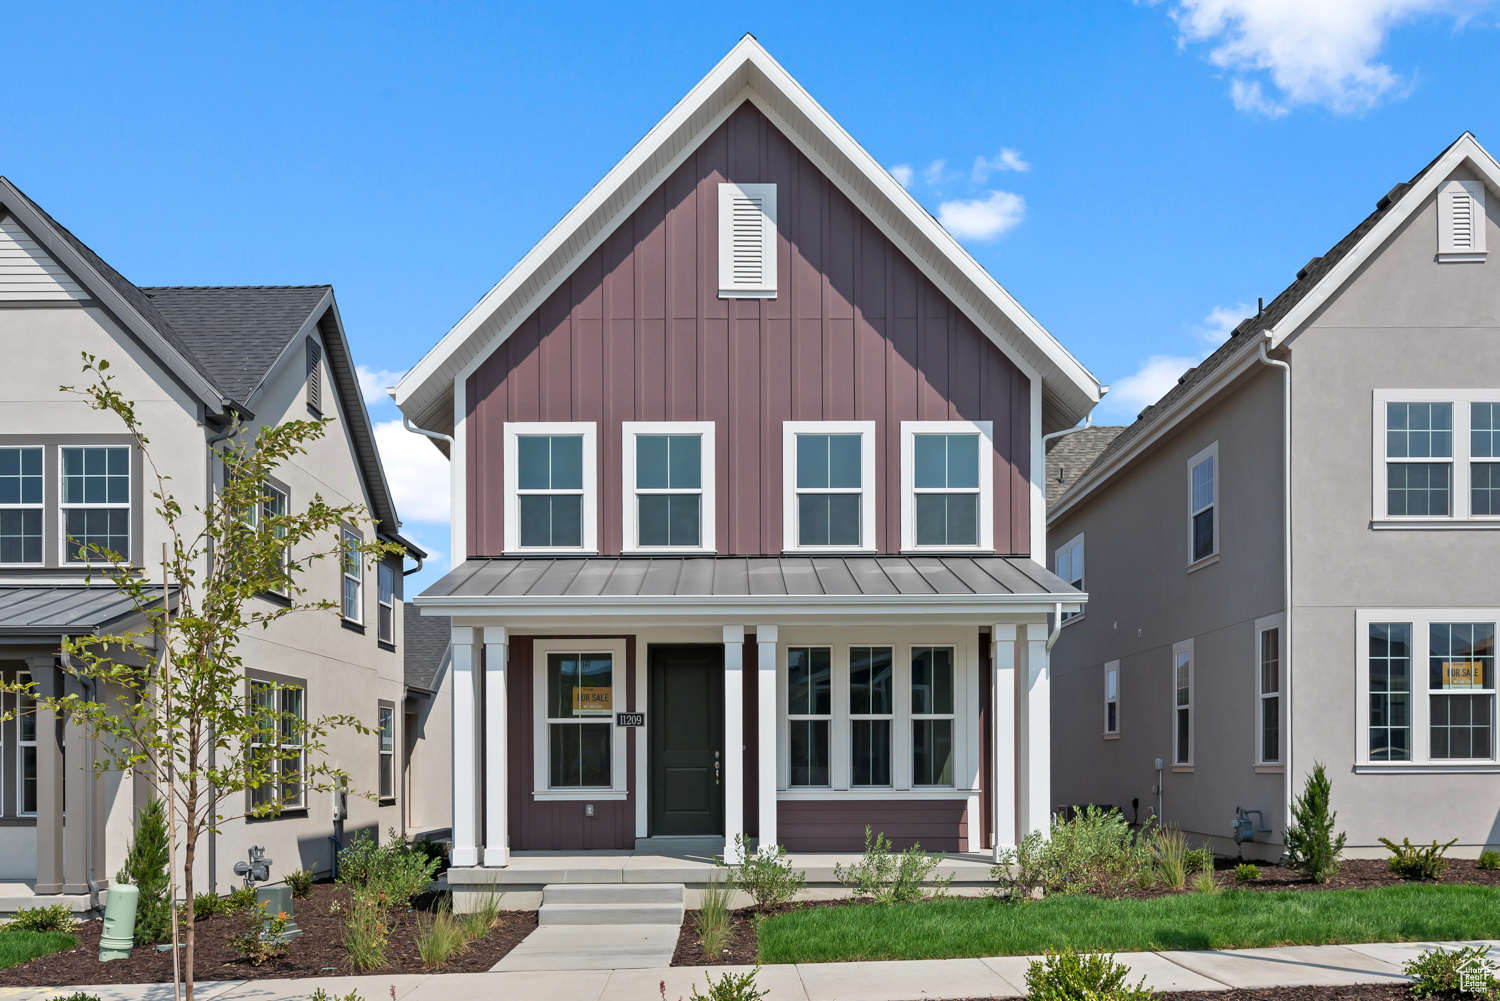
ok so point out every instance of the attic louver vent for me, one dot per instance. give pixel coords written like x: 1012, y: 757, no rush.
x: 1307, y: 268
x: 314, y: 377
x: 747, y: 241
x: 1461, y: 221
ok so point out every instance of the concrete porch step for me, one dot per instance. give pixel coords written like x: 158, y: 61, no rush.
x: 613, y: 893
x: 612, y: 904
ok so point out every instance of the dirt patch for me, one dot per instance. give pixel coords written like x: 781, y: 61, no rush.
x: 318, y: 952
x: 742, y: 949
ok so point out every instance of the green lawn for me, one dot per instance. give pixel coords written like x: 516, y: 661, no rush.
x: 19, y: 946
x: 1230, y: 919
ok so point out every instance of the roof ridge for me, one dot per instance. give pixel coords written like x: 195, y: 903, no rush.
x: 218, y: 288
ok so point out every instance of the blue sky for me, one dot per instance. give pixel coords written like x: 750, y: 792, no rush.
x: 1135, y: 174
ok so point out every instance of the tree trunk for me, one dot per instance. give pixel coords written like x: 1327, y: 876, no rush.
x: 187, y: 887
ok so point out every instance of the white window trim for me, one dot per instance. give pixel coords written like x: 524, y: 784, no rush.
x: 630, y: 430
x: 1184, y: 647
x: 279, y: 686
x: 1212, y: 451
x: 286, y: 501
x: 1448, y: 251
x: 383, y: 569
x: 985, y: 430
x: 358, y: 577
x: 40, y: 506
x: 1461, y: 460
x: 381, y: 752
x: 64, y: 507
x: 1271, y: 623
x: 25, y: 678
x: 1421, y: 761
x: 1112, y: 666
x: 589, y: 431
x: 728, y: 288
x: 541, y: 747
x: 966, y: 753
x: 789, y: 432
x: 1057, y: 558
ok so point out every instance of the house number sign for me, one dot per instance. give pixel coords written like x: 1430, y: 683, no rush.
x: 630, y: 719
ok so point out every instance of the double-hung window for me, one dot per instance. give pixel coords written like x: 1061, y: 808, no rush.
x: 809, y: 713
x: 95, y: 502
x: 274, y: 505
x: 829, y: 476
x: 21, y: 505
x: 947, y: 478
x: 386, y: 627
x: 1182, y: 704
x: 353, y: 568
x: 1461, y: 686
x: 1069, y: 563
x: 1112, y: 697
x: 26, y: 774
x: 1269, y: 687
x: 669, y: 486
x: 1419, y: 459
x: 550, y: 478
x: 276, y: 745
x: 1484, y: 456
x: 1203, y: 504
x: 579, y: 719
x: 871, y: 714
x: 386, y: 734
x: 1437, y: 456
x: 932, y: 716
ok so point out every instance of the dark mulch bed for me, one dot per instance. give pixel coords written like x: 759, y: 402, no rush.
x: 318, y: 952
x: 1358, y: 874
x: 1353, y: 992
x: 742, y: 948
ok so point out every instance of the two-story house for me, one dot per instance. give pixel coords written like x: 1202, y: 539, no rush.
x: 747, y: 460
x: 1338, y: 457
x: 192, y: 360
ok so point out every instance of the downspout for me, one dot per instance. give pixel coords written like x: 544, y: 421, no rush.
x: 91, y: 691
x: 213, y: 836
x: 1056, y: 627
x: 1286, y: 521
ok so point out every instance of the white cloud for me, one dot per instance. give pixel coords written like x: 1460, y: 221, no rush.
x: 1007, y: 159
x: 1221, y: 321
x: 373, y: 383
x: 933, y: 172
x: 1159, y: 373
x: 903, y: 173
x: 983, y: 218
x: 416, y: 471
x: 1322, y: 52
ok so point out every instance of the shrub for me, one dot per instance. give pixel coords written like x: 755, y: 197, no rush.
x: 765, y: 875
x: 1245, y: 872
x: 238, y: 899
x: 206, y: 905
x: 391, y: 869
x: 1069, y: 976
x: 891, y: 877
x: 78, y: 996
x: 1094, y: 852
x: 1440, y: 973
x: 1169, y: 857
x: 713, y: 918
x: 264, y: 935
x: 1311, y: 845
x: 1411, y: 861
x: 301, y: 882
x: 440, y: 936
x: 1489, y: 859
x: 731, y: 987
x: 1022, y: 871
x: 319, y: 994
x: 145, y: 867
x: 1204, y: 882
x: 1198, y: 860
x: 437, y: 850
x: 58, y: 917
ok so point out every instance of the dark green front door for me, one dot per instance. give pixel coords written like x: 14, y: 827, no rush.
x: 686, y: 724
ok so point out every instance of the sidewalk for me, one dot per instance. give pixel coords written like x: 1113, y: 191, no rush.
x: 908, y: 980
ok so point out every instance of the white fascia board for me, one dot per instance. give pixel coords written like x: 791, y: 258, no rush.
x: 730, y: 82
x: 1466, y: 151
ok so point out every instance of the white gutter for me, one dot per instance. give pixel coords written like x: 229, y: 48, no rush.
x: 1286, y: 523
x: 1056, y: 627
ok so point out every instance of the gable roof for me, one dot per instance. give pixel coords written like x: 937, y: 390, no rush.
x: 1070, y: 456
x: 748, y: 73
x: 223, y: 343
x: 1318, y: 281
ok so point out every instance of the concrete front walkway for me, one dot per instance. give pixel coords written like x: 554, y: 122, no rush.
x: 909, y: 980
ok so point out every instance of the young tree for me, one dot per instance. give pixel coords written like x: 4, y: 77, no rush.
x: 173, y: 700
x: 1311, y: 845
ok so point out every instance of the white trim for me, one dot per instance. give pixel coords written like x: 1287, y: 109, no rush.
x: 1460, y: 459
x: 40, y: 505
x: 749, y: 73
x: 496, y: 746
x: 734, y: 741
x: 1005, y: 725
x: 64, y: 506
x: 642, y: 748
x: 765, y: 728
x: 382, y: 571
x: 1421, y: 761
x: 1034, y: 718
x: 618, y: 765
x: 1037, y: 500
x: 985, y: 490
x: 358, y: 576
x: 1071, y: 574
x: 879, y: 793
x: 1453, y: 246
x: 21, y: 746
x: 1277, y: 624
x: 975, y: 609
x: 708, y: 480
x: 1112, y: 668
x: 463, y: 666
x: 761, y: 200
x: 1185, y: 647
x: 1211, y: 452
x: 458, y: 476
x: 588, y: 430
x: 867, y: 476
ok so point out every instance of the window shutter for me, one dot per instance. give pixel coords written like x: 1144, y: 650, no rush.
x: 314, y: 376
x: 747, y: 241
x: 1461, y: 221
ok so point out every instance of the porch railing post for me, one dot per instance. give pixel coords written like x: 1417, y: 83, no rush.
x: 465, y: 751
x: 496, y: 826
x: 1006, y: 726
x: 734, y: 740
x: 765, y: 727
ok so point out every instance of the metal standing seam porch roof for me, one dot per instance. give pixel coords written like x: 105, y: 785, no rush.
x: 733, y: 577
x: 44, y: 610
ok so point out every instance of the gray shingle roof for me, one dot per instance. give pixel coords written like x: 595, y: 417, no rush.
x: 1070, y: 456
x: 45, y: 610
x: 741, y: 576
x: 424, y: 653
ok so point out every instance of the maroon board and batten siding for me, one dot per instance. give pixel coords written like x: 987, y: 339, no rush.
x: 638, y: 333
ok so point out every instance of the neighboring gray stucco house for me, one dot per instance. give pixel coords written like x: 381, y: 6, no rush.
x: 1386, y: 670
x: 190, y: 359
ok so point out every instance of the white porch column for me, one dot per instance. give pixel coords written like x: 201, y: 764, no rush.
x: 496, y: 786
x: 734, y: 740
x: 1006, y: 726
x: 765, y: 731
x: 465, y: 751
x: 1036, y: 736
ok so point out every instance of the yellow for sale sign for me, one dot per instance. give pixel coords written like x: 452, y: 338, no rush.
x: 592, y: 702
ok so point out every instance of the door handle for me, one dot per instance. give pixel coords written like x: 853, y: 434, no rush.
x: 716, y: 772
